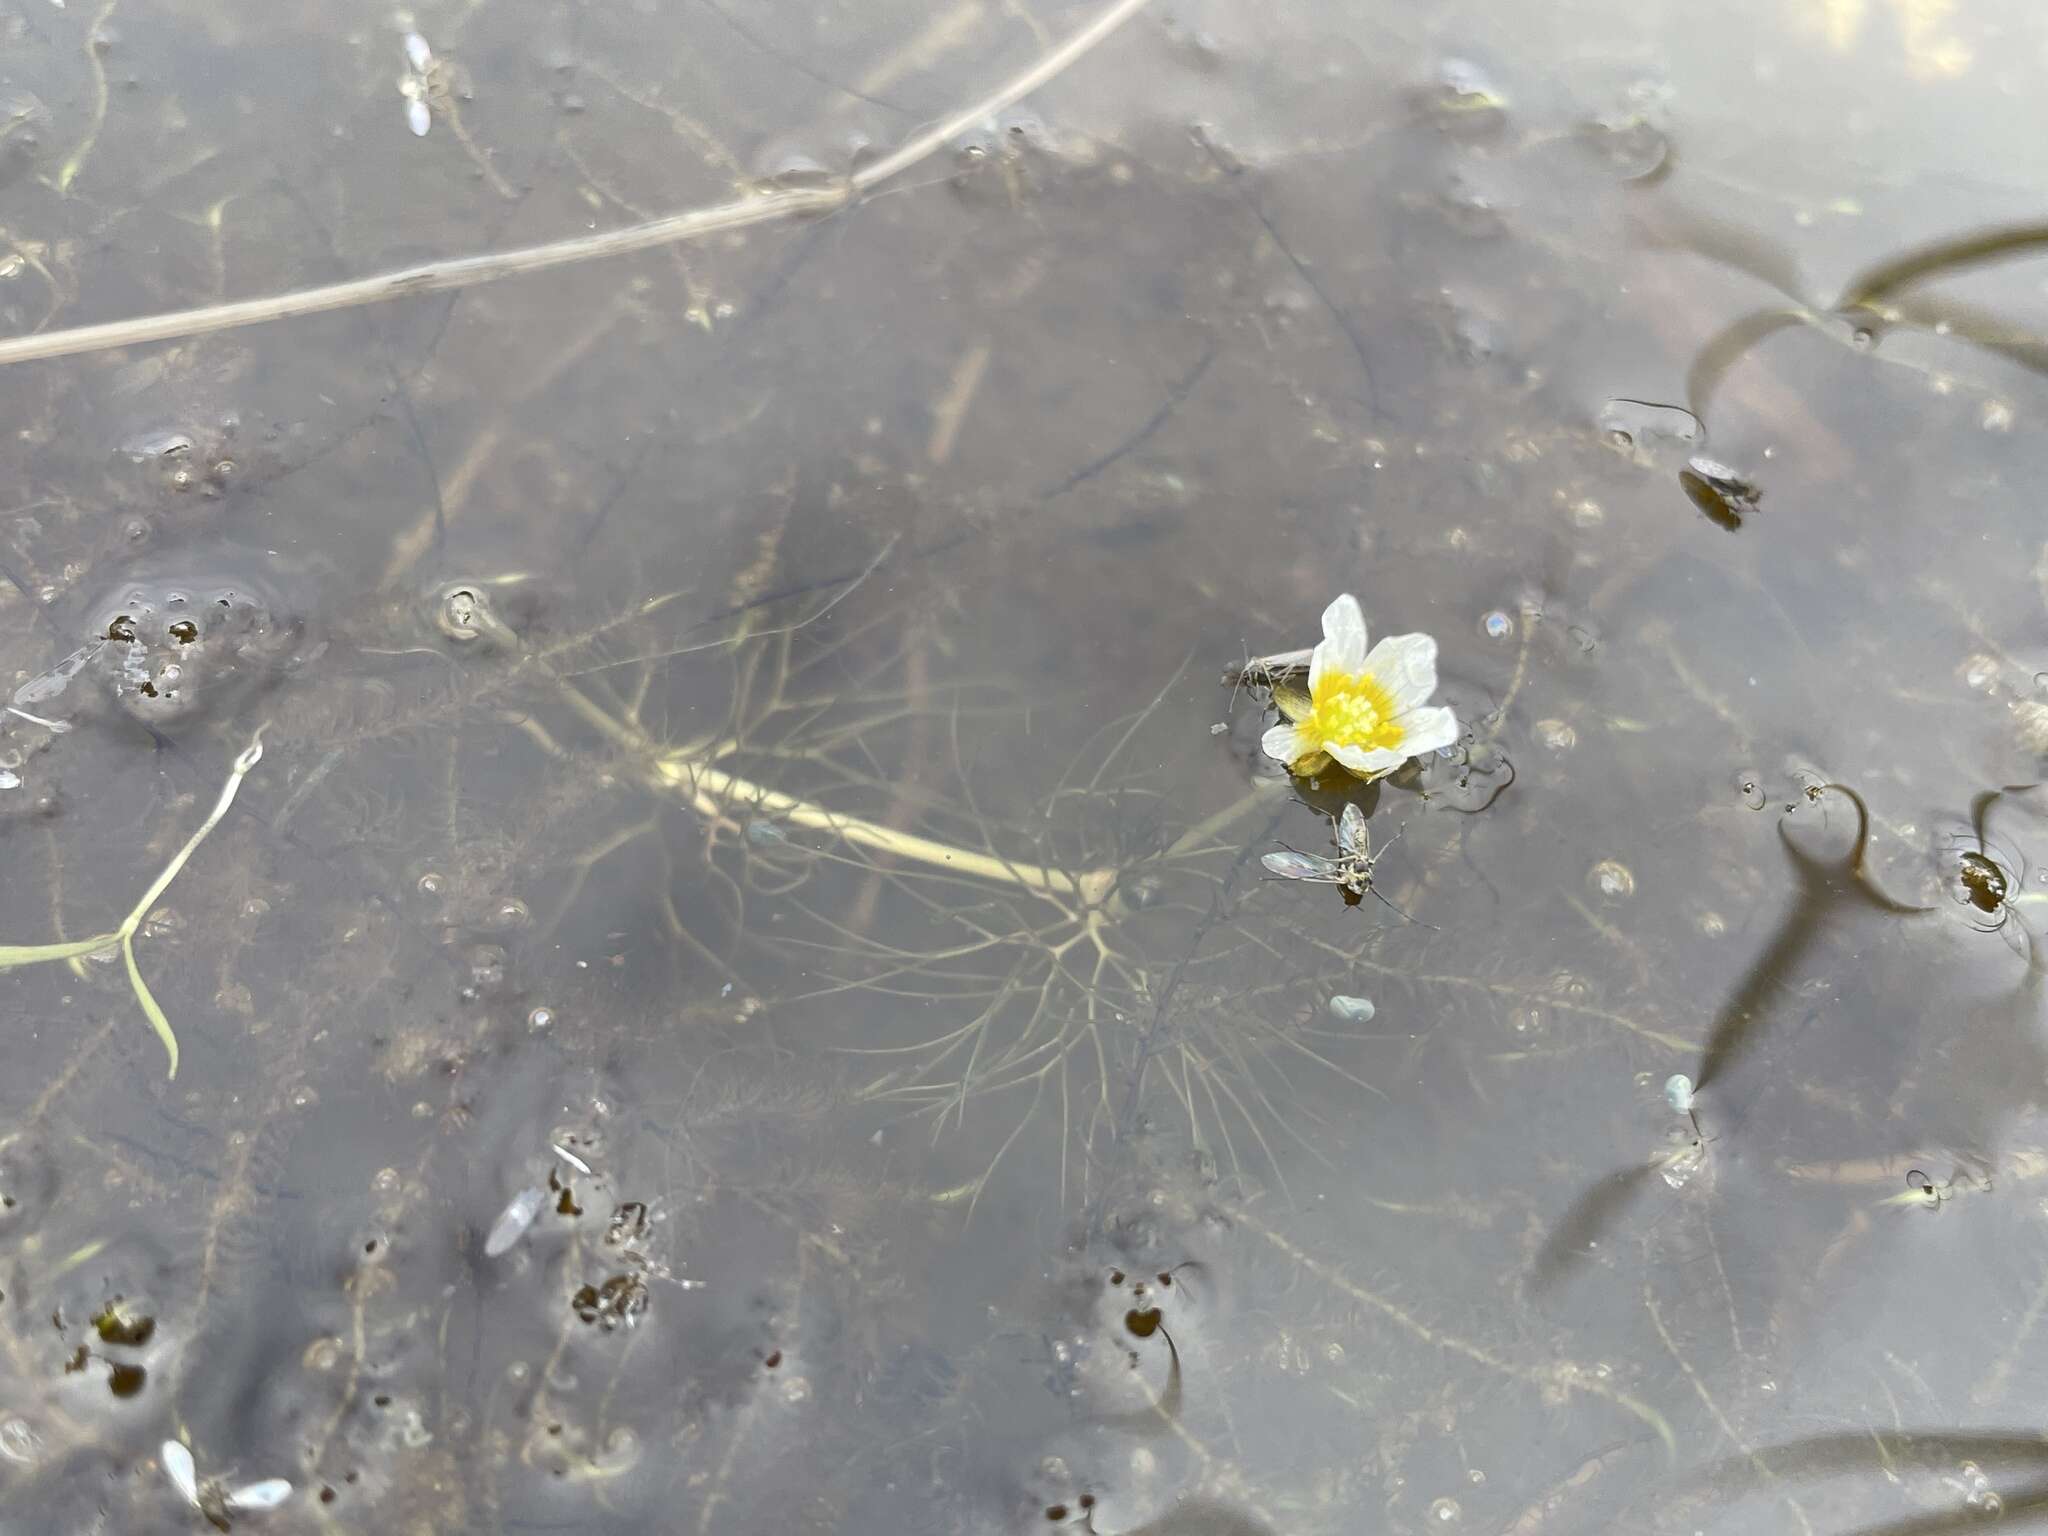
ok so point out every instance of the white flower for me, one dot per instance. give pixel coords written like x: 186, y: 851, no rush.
x: 1368, y: 710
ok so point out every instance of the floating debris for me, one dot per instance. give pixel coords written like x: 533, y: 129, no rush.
x: 513, y: 1221
x: 570, y: 1157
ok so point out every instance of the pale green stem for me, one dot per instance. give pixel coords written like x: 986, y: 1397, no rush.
x: 123, y: 937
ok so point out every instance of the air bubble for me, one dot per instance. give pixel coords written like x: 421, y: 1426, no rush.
x: 540, y: 1018
x: 1497, y: 625
x: 1445, y: 1512
x: 1612, y: 879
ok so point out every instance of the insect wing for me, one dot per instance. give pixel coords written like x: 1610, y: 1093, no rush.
x: 179, y: 1469
x: 1299, y: 866
x: 417, y: 53
x: 513, y: 1221
x: 58, y: 678
x: 1351, y: 834
x: 418, y: 118
x: 268, y: 1494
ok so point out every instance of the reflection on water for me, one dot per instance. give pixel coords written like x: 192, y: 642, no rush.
x: 744, y: 984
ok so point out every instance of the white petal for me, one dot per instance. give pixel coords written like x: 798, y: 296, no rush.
x: 1372, y: 764
x: 1343, y: 647
x: 1282, y: 742
x: 179, y: 1469
x: 1424, y: 730
x: 1406, y: 667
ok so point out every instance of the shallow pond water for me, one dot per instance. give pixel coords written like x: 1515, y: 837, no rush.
x: 694, y: 821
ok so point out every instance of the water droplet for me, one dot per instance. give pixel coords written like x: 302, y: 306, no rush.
x: 541, y: 1018
x: 1612, y: 879
x: 1445, y: 1512
x: 1352, y: 1010
x: 9, y: 779
x: 1862, y: 339
x: 1497, y: 625
x: 1475, y: 1477
x: 431, y: 884
x: 1628, y: 143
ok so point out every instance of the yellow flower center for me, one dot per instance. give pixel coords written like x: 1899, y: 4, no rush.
x: 1352, y: 710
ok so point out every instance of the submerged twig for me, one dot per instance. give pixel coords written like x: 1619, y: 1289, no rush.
x: 470, y: 271
x: 122, y: 937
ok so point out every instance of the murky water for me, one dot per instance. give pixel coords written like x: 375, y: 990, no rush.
x: 682, y: 814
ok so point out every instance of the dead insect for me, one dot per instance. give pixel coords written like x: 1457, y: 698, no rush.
x: 1350, y: 871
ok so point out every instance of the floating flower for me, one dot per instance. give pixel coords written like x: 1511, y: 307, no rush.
x: 1368, y: 710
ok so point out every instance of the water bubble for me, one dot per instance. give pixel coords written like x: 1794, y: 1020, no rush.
x: 19, y: 1442
x: 541, y: 1018
x: 1628, y: 143
x: 1463, y: 101
x: 1980, y: 673
x: 1749, y: 784
x: 462, y: 613
x: 1445, y: 1511
x: 1612, y: 879
x: 9, y: 779
x: 1497, y: 625
x: 1352, y: 1010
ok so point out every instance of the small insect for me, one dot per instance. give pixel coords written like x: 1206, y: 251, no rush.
x: 1350, y: 871
x: 210, y: 1497
x: 419, y: 84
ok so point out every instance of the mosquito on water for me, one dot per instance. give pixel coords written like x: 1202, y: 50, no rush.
x: 1350, y: 871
